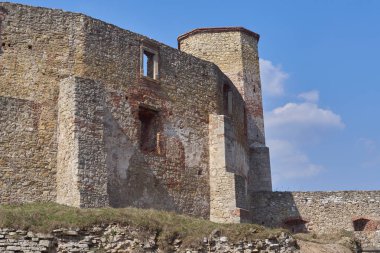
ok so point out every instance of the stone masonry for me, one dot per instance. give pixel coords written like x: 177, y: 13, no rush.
x: 322, y: 212
x: 102, y: 116
x: 118, y: 238
x: 92, y: 115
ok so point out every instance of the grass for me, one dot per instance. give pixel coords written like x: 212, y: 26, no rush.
x: 45, y: 217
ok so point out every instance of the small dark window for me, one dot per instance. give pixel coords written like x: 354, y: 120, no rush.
x: 149, y: 63
x: 150, y: 126
x: 227, y: 99
x: 362, y: 224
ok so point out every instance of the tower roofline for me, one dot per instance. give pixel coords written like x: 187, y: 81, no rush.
x: 217, y: 30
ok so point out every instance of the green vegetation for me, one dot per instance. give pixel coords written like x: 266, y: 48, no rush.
x: 45, y: 217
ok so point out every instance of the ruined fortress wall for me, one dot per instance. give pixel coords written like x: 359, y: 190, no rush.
x: 38, y: 48
x: 229, y: 150
x: 81, y: 170
x: 260, y: 178
x: 20, y: 179
x: 239, y: 46
x: 252, y: 88
x: 188, y: 89
x: 224, y: 46
x: 228, y: 169
x: 219, y: 48
x: 323, y: 212
x: 84, y: 77
x: 68, y: 150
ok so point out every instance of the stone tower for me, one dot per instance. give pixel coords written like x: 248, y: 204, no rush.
x: 235, y: 51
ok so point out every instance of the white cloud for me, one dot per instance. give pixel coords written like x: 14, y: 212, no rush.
x: 303, y: 115
x: 272, y: 78
x: 289, y: 129
x: 310, y: 96
x: 292, y: 126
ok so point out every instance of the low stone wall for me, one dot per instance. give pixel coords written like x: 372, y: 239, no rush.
x: 321, y: 212
x: 115, y: 238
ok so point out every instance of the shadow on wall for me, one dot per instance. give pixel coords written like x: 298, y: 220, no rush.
x: 131, y: 180
x: 278, y: 209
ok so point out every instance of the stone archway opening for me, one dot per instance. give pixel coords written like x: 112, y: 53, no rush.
x: 295, y: 224
x: 365, y: 224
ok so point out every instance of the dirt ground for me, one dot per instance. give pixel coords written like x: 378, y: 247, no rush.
x: 312, y: 247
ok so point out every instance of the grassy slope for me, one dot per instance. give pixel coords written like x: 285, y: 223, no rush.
x: 44, y: 217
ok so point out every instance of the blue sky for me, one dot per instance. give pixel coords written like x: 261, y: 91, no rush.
x: 320, y: 74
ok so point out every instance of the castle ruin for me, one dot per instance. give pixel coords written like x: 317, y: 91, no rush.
x: 92, y: 115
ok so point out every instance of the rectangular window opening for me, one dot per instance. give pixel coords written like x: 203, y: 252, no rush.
x: 150, y: 127
x: 149, y: 65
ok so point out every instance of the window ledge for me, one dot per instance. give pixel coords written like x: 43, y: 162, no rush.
x: 148, y: 80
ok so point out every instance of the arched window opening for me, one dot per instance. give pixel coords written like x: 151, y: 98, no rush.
x: 227, y: 99
x: 296, y: 225
x: 364, y: 224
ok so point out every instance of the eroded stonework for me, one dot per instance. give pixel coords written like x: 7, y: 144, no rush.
x: 102, y: 116
x: 92, y: 115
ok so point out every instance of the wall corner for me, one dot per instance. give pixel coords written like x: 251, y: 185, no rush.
x: 81, y: 170
x: 228, y: 197
x: 260, y: 178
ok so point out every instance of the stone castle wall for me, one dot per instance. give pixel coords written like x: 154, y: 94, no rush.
x: 320, y: 212
x: 223, y: 46
x: 72, y: 104
x: 23, y: 167
x: 39, y: 47
x: 228, y: 188
x: 177, y: 176
x: 81, y: 169
x: 78, y: 81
